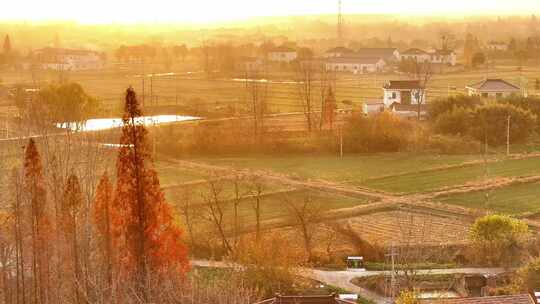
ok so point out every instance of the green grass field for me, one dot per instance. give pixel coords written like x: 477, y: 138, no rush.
x: 274, y: 205
x: 513, y: 199
x: 355, y: 169
x: 432, y: 180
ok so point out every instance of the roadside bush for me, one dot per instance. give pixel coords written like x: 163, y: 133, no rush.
x: 499, y: 240
x: 490, y: 123
x: 450, y: 144
x: 444, y: 105
x: 383, y: 132
x: 455, y: 122
x: 528, y: 277
x: 531, y: 104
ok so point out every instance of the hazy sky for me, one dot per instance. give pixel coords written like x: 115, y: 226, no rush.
x: 100, y: 11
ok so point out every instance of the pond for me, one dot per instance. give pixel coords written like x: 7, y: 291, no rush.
x: 99, y: 124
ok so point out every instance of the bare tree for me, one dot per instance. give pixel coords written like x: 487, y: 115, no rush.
x: 422, y: 73
x: 305, y: 214
x: 306, y: 79
x: 215, y: 205
x: 257, y: 94
x: 257, y: 189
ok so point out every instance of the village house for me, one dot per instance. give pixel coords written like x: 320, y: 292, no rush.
x: 356, y: 65
x: 447, y: 57
x: 68, y: 59
x: 495, y: 46
x: 250, y: 64
x: 493, y: 88
x: 338, y: 52
x: 409, y: 110
x: 415, y: 54
x: 389, y: 55
x: 372, y: 106
x: 404, y: 92
x: 282, y: 54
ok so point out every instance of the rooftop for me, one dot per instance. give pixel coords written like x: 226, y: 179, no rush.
x: 414, y: 51
x: 282, y: 49
x: 340, y: 49
x: 398, y: 107
x: 376, y: 52
x: 354, y: 60
x: 514, y: 299
x: 403, y: 85
x: 330, y: 299
x: 494, y: 85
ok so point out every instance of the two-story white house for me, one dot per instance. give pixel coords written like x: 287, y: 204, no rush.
x: 493, y: 88
x: 356, y: 65
x: 404, y: 92
x: 282, y: 54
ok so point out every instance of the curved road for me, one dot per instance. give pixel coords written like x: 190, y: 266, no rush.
x: 342, y: 279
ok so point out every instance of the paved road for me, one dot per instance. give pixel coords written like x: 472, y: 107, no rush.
x: 342, y: 279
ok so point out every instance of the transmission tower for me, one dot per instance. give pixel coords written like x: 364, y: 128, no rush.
x: 340, y: 23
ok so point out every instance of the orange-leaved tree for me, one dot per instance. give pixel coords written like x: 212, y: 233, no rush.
x: 102, y: 220
x: 36, y: 195
x: 72, y: 201
x: 143, y: 220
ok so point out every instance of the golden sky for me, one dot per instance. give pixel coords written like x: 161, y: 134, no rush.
x: 206, y: 11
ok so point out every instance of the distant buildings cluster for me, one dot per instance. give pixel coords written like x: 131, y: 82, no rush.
x: 61, y: 59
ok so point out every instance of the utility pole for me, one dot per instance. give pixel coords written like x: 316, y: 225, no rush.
x: 393, y: 284
x: 508, y: 137
x: 340, y: 141
x: 340, y: 24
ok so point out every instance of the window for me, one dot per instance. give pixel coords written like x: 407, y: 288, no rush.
x: 498, y: 95
x: 485, y: 95
x: 394, y: 95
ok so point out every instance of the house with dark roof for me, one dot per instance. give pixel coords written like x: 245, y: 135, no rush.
x: 404, y: 92
x: 512, y: 299
x: 282, y: 54
x: 389, y: 55
x: 338, y: 52
x: 493, y: 88
x: 356, y: 65
x: 330, y: 299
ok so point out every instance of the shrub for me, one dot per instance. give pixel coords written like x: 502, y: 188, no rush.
x: 500, y: 240
x: 491, y: 123
x: 528, y: 277
x: 440, y: 106
x: 456, y: 121
x: 449, y: 144
x: 383, y: 132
